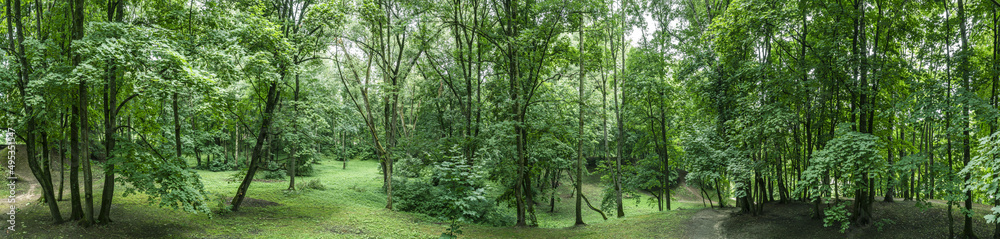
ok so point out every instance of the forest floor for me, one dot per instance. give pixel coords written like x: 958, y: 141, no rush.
x: 900, y: 219
x: 352, y: 206
x: 707, y: 223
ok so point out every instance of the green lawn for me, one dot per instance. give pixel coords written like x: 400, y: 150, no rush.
x: 352, y: 206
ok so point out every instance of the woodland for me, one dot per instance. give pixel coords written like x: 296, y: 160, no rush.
x: 501, y: 118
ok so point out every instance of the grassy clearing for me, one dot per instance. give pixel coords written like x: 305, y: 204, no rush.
x: 352, y: 206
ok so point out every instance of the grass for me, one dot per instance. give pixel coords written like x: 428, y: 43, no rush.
x: 351, y: 206
x: 565, y: 214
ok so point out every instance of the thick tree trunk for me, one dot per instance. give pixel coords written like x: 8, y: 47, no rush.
x: 78, y: 131
x: 74, y: 167
x: 88, y: 179
x: 110, y: 123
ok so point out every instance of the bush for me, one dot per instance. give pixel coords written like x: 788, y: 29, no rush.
x: 315, y: 184
x: 223, y: 205
x: 458, y: 194
x: 218, y: 165
x: 267, y: 174
x: 837, y: 214
x: 417, y: 196
x: 304, y: 166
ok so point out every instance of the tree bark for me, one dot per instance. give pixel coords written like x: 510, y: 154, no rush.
x: 110, y: 122
x: 74, y: 167
x: 177, y: 131
x: 579, y: 151
x: 966, y: 155
x: 618, y: 145
x: 292, y: 158
x: 272, y: 100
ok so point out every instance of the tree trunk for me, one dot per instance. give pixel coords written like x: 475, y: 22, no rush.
x: 343, y: 148
x: 964, y: 70
x: 272, y: 101
x: 718, y: 193
x: 88, y: 179
x: 24, y: 73
x: 110, y: 122
x: 993, y: 93
x: 889, y: 194
x: 74, y: 167
x: 666, y: 153
x: 579, y: 151
x: 62, y: 166
x: 618, y: 137
x: 177, y: 131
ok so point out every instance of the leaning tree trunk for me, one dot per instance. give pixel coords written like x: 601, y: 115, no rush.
x: 272, y: 101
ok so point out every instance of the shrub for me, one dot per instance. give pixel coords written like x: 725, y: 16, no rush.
x: 223, y: 205
x: 315, y: 184
x: 267, y: 174
x: 459, y: 194
x: 238, y: 175
x: 218, y: 165
x: 835, y: 214
x: 416, y: 196
x: 304, y: 166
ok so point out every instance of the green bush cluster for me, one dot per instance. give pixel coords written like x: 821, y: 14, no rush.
x: 314, y: 184
x: 219, y: 165
x: 267, y: 174
x: 436, y: 201
x: 838, y: 213
x: 304, y: 166
x: 454, y: 189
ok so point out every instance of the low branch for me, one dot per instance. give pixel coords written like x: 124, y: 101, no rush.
x: 119, y: 108
x: 587, y: 200
x: 148, y: 145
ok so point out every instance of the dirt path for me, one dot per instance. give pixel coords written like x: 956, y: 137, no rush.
x: 24, y: 197
x: 707, y: 223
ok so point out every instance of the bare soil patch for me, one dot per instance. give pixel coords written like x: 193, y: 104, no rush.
x: 707, y: 223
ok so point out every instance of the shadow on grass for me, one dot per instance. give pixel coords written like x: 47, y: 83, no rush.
x: 901, y: 219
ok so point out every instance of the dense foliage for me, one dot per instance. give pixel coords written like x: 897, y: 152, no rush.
x: 481, y: 111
